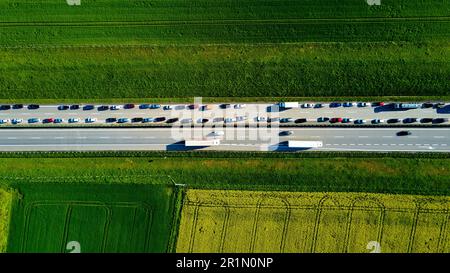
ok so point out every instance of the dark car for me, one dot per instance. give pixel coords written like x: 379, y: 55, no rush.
x: 440, y: 120
x: 286, y: 133
x: 427, y: 105
x: 172, y: 120
x: 33, y: 106
x: 393, y: 120
x: 322, y: 119
x: 426, y: 120
x: 193, y: 106
x: 129, y: 106
x: 225, y: 105
x: 110, y: 120
x: 136, y: 119
x: 5, y: 107
x: 403, y: 133
x: 335, y: 104
x: 17, y: 106
x: 439, y: 105
x: 335, y: 120
x: 160, y: 119
x: 203, y: 120
x: 144, y: 106
x: 88, y: 107
x: 286, y: 120
x: 63, y: 107
x: 300, y: 120
x: 378, y: 103
x: 75, y: 107
x: 103, y: 108
x: 48, y: 120
x: 409, y: 120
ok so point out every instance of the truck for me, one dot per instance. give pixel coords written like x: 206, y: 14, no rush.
x: 407, y: 105
x: 202, y: 142
x: 304, y: 144
x: 288, y: 105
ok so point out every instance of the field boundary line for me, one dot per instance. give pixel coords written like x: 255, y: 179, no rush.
x: 68, y: 216
x: 193, y: 228
x: 413, y: 229
x: 108, y: 219
x: 287, y: 218
x: 224, y: 227
x: 255, y: 226
x: 442, y: 235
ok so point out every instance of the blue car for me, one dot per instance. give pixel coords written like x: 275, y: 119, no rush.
x: 33, y: 120
x: 144, y: 106
x: 123, y: 120
x: 335, y: 104
x: 88, y: 107
x: 58, y: 120
x: 154, y: 106
x: 145, y: 120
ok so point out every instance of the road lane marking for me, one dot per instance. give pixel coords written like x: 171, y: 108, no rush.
x: 338, y: 136
x: 439, y: 137
x: 363, y: 136
x: 12, y: 137
x: 35, y: 137
x: 58, y: 137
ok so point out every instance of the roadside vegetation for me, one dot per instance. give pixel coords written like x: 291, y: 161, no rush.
x: 5, y: 215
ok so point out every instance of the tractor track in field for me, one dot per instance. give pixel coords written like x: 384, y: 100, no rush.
x: 289, y: 21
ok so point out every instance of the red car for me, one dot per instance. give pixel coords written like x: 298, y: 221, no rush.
x: 334, y: 120
x: 48, y: 120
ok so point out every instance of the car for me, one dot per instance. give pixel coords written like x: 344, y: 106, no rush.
x: 137, y: 119
x: 335, y: 120
x: 239, y: 106
x: 273, y: 119
x: 322, y: 119
x: 225, y: 105
x: 307, y: 105
x: 5, y: 107
x: 33, y: 106
x: 189, y: 120
x: 74, y: 107
x: 347, y: 120
x: 440, y: 120
x: 360, y: 121
x: 241, y: 118
x: 335, y: 104
x: 2, y: 121
x: 394, y: 120
x: 90, y: 120
x: 207, y: 107
x: 286, y: 120
x: 146, y: 120
x: 347, y: 104
x: 410, y: 120
x: 167, y: 107
x: 301, y: 120
x: 88, y: 107
x: 261, y: 119
x: 123, y: 120
x: 159, y: 119
x: 48, y: 120
x: 219, y: 119
x: 193, y: 106
x: 16, y: 120
x: 318, y: 105
x: 144, y: 106
x: 286, y: 133
x: 439, y: 105
x: 110, y: 120
x: 154, y: 106
x: 377, y: 121
x: 202, y: 120
x: 103, y: 108
x: 403, y: 133
x: 34, y: 120
x: 63, y: 107
x: 58, y: 120
x: 362, y: 104
x: 228, y: 120
x: 129, y: 106
x: 218, y: 133
x: 427, y: 105
x: 17, y: 106
x: 378, y: 103
x: 426, y: 120
x: 115, y: 107
x: 73, y: 120
x: 172, y: 120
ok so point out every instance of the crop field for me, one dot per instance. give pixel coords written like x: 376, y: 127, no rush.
x: 99, y: 218
x: 240, y: 221
x: 5, y: 209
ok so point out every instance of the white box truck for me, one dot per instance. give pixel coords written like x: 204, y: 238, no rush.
x: 202, y: 142
x: 288, y: 105
x: 304, y: 144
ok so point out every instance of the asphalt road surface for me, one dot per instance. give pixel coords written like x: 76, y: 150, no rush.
x: 235, y: 139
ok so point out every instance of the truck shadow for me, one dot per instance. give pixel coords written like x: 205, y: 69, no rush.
x: 283, y: 147
x: 180, y: 146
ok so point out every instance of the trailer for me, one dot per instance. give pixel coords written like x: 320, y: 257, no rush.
x: 304, y: 144
x: 202, y: 142
x: 286, y: 105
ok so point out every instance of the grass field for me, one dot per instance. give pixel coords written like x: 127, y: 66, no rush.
x: 101, y: 218
x: 240, y: 221
x: 5, y: 210
x: 335, y: 70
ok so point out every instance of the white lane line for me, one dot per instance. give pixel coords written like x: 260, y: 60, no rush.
x: 327, y: 144
x: 149, y: 137
x: 352, y: 144
x: 82, y: 137
x: 443, y: 144
x: 338, y: 136
x: 384, y: 144
x: 363, y: 136
x: 401, y: 144
x: 376, y: 144
x: 12, y: 137
x: 412, y: 136
x: 104, y: 137
x: 58, y: 137
x: 126, y: 137
x: 409, y: 144
x: 439, y: 136
x: 393, y: 144
x: 387, y: 136
x: 35, y: 137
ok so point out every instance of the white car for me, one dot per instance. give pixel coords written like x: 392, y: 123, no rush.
x: 16, y: 120
x: 307, y: 105
x: 4, y: 121
x: 239, y: 106
x: 116, y: 107
x: 218, y: 133
x: 261, y: 119
x: 91, y: 120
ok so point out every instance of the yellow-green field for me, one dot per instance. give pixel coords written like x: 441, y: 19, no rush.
x: 250, y: 221
x: 5, y: 209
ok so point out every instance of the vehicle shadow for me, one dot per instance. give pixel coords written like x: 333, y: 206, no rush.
x: 180, y: 146
x: 386, y: 108
x: 283, y: 147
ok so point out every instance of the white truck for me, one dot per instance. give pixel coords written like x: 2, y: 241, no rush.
x: 202, y: 142
x: 304, y: 144
x: 288, y: 105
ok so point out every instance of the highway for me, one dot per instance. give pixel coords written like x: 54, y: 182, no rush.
x: 216, y: 114
x: 235, y: 139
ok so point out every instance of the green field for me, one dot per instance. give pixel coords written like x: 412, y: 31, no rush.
x: 5, y: 214
x: 101, y: 218
x: 251, y: 221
